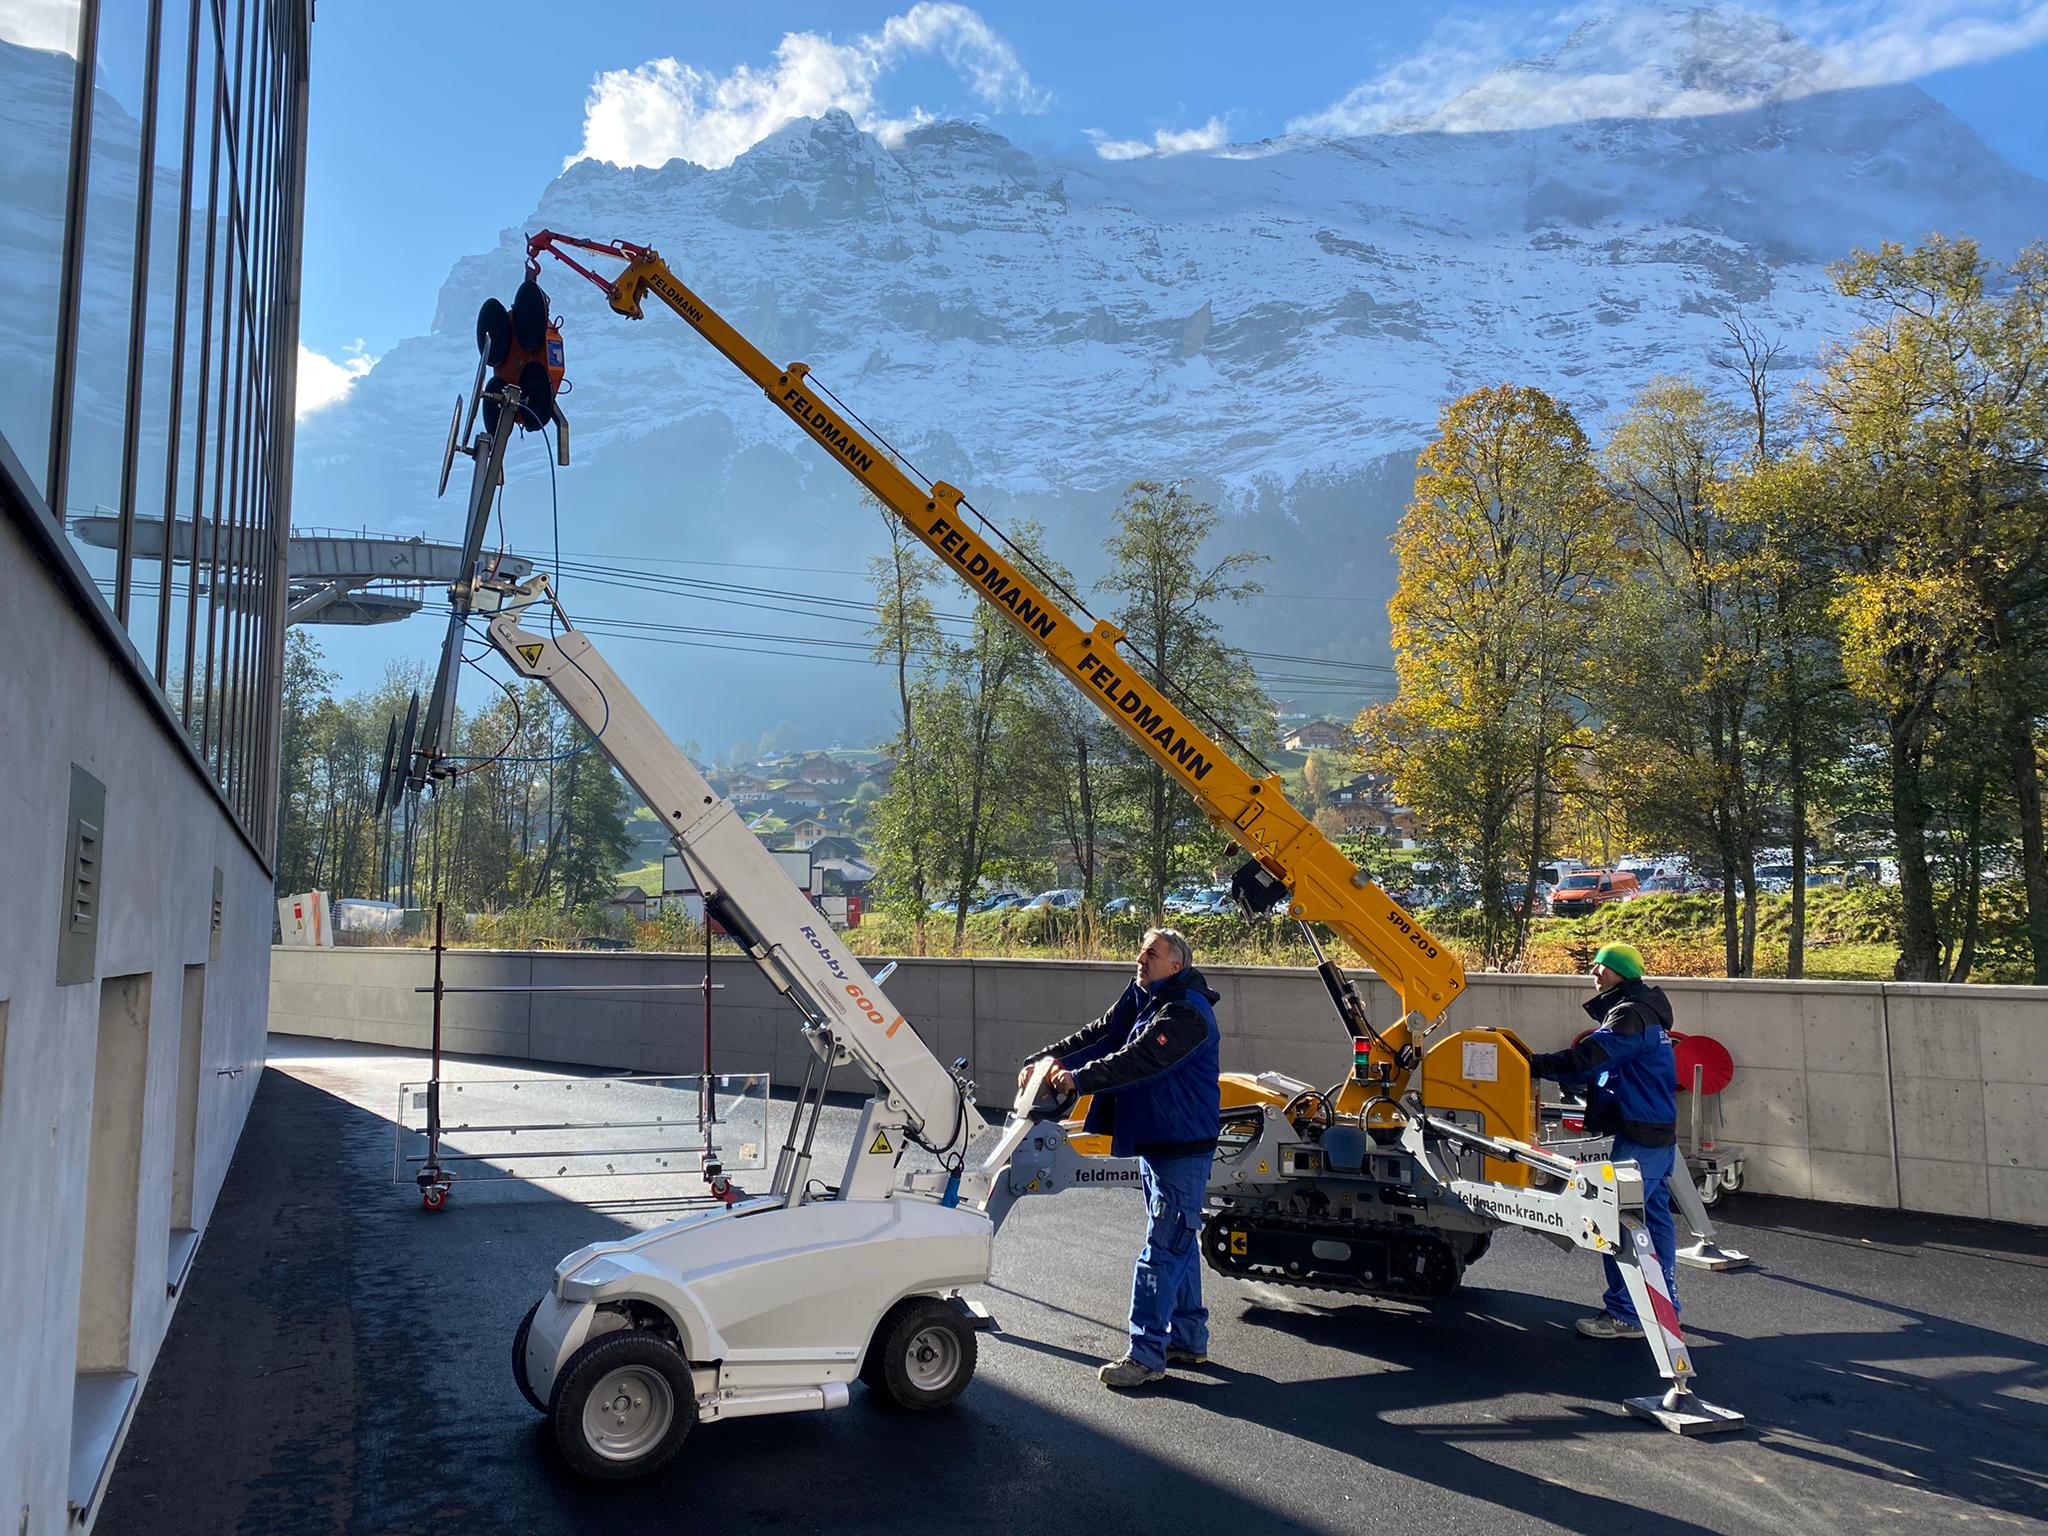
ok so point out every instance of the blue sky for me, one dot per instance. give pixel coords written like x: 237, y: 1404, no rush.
x: 434, y: 126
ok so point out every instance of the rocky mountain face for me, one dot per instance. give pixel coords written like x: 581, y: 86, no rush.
x: 1278, y: 323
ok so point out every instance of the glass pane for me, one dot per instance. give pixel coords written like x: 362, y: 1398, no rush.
x: 38, y: 78
x: 153, y: 465
x: 191, y: 462
x: 99, y: 380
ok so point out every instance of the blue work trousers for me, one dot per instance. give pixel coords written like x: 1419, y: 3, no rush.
x: 1166, y: 1289
x: 1656, y: 1164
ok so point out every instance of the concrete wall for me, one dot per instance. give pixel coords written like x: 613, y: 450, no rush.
x: 62, y: 702
x: 1933, y: 1098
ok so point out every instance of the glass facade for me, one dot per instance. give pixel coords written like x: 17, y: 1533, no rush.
x: 149, y: 248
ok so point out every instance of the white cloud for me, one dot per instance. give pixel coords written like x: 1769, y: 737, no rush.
x: 665, y: 109
x: 1211, y: 135
x: 50, y: 24
x: 1882, y: 44
x: 1459, y: 52
x: 324, y: 380
x: 1590, y: 61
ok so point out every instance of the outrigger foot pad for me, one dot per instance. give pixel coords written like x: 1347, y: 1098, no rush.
x: 1683, y: 1413
x: 1708, y: 1254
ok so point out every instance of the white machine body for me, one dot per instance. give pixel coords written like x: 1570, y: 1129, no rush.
x: 773, y: 1306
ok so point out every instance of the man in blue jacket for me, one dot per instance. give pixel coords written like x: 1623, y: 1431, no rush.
x: 1631, y: 1079
x: 1151, y: 1063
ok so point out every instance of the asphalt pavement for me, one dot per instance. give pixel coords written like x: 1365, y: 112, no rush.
x: 339, y: 1363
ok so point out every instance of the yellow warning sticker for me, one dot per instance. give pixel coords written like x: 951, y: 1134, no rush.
x: 531, y: 653
x: 1240, y: 1244
x: 881, y: 1146
x: 1262, y: 1166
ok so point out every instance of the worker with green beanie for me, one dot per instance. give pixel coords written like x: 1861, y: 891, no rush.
x: 1626, y: 1067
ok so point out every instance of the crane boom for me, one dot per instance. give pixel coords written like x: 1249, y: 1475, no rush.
x: 1326, y: 887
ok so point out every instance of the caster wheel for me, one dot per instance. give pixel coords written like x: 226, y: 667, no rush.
x: 922, y: 1355
x: 433, y: 1197
x: 1710, y: 1191
x: 1731, y: 1179
x: 623, y: 1405
x: 519, y: 1358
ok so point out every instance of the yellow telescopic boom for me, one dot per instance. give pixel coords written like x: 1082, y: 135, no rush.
x: 1326, y: 887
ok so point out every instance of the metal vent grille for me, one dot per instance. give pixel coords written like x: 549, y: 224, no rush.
x: 85, y: 877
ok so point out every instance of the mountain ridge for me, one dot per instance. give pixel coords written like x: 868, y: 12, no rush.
x: 1279, y: 324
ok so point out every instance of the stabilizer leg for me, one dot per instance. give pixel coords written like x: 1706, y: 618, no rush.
x: 1704, y: 1253
x: 1679, y: 1409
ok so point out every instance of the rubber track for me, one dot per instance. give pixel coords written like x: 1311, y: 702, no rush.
x: 1343, y: 1231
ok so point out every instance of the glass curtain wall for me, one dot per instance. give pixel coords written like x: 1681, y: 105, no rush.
x: 149, y: 206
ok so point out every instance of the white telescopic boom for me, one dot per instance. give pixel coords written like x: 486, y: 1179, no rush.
x: 788, y: 937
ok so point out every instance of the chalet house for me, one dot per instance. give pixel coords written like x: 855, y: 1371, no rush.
x: 1321, y: 735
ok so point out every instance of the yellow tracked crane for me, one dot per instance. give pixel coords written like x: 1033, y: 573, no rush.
x: 1314, y: 1186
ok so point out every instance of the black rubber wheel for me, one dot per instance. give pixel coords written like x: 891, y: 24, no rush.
x: 493, y: 332
x: 530, y: 316
x: 922, y: 1355
x: 519, y: 1357
x: 1476, y: 1249
x: 623, y: 1405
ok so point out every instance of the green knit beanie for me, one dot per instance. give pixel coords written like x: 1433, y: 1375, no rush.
x: 1622, y: 959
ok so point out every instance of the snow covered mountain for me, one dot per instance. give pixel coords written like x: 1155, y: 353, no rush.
x: 1278, y: 322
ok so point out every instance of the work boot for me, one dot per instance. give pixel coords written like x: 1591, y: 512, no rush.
x: 1605, y: 1325
x: 1126, y: 1373
x: 1175, y: 1355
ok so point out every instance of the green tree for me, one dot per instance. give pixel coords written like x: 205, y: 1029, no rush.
x: 1166, y: 592
x: 906, y: 638
x: 305, y: 688
x: 594, y: 835
x: 1688, y: 636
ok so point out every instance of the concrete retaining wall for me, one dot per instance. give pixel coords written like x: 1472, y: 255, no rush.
x: 1930, y: 1098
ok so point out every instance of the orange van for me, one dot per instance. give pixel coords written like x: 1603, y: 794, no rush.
x: 1584, y: 889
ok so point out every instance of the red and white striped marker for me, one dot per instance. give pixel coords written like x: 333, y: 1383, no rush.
x: 1663, y: 1310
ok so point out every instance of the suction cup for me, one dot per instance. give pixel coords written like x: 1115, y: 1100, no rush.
x: 493, y: 332
x: 537, y: 389
x: 405, y: 742
x: 530, y: 317
x: 390, y: 751
x: 448, y: 453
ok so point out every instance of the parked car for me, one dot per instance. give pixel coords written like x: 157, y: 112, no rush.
x: 1213, y: 902
x: 1065, y: 899
x: 1584, y: 889
x: 1183, y: 901
x: 1537, y: 898
x: 1002, y: 901
x: 1664, y: 885
x: 1121, y: 904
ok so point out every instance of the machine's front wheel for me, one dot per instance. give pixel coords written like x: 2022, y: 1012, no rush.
x: 623, y: 1405
x: 922, y: 1355
x: 519, y: 1357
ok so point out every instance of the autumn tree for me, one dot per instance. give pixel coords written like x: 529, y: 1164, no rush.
x: 1501, y: 553
x: 1938, y: 419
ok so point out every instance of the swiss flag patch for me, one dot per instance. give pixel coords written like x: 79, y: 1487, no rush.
x: 1161, y: 1037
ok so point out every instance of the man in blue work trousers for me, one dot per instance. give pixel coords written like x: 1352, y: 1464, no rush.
x: 1151, y: 1063
x: 1626, y: 1066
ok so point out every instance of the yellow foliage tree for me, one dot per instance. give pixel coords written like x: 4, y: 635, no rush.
x: 1501, y: 553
